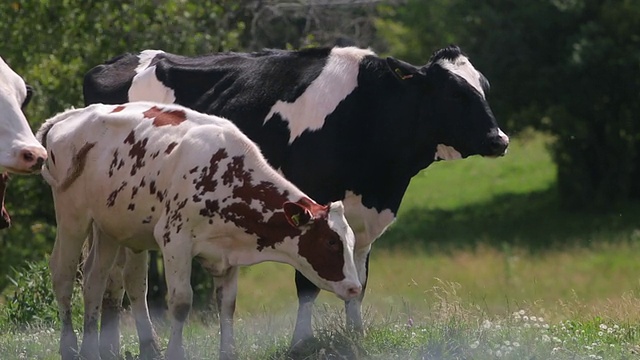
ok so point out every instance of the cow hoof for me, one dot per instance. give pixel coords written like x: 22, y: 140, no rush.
x: 150, y: 350
x: 304, y: 348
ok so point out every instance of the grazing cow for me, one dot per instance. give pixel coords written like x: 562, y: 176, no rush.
x: 340, y: 123
x: 151, y: 176
x: 20, y: 152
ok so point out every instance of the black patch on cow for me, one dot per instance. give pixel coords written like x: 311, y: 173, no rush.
x: 101, y: 86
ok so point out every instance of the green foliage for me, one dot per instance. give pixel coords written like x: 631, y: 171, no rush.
x: 32, y: 302
x: 51, y: 44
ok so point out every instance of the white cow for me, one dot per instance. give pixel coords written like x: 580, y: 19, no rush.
x: 150, y: 176
x: 20, y: 152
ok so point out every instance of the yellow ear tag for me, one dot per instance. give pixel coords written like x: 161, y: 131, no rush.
x: 403, y: 77
x: 296, y: 219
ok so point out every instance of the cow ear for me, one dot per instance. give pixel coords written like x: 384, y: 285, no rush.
x: 27, y: 99
x: 402, y: 70
x: 296, y: 214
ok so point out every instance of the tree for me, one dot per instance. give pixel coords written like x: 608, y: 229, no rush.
x: 53, y: 43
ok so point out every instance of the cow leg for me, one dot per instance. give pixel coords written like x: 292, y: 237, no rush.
x: 135, y: 282
x: 72, y: 230
x: 101, y: 257
x: 177, y: 263
x: 307, y: 294
x: 353, y: 307
x: 112, y: 307
x: 226, y: 290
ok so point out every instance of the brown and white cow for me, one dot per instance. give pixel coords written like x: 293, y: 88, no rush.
x: 150, y: 176
x: 20, y: 152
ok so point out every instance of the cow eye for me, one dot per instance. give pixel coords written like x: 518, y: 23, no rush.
x: 333, y: 244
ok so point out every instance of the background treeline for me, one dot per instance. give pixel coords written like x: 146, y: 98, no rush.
x: 570, y: 68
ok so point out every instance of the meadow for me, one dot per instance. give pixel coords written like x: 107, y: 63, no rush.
x: 483, y: 263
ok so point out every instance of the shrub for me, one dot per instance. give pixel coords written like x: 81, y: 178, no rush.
x: 33, y: 301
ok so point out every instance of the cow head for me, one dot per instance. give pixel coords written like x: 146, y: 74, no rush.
x: 452, y: 96
x: 20, y: 152
x: 325, y: 246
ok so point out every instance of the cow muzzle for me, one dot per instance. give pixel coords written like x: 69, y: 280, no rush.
x: 348, y: 290
x: 29, y: 159
x: 498, y: 144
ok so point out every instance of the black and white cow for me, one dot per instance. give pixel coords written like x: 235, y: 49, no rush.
x: 341, y: 123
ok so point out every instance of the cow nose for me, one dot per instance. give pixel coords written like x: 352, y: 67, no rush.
x: 498, y: 146
x: 354, y: 291
x: 32, y: 158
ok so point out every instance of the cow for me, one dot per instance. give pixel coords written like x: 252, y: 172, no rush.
x: 20, y: 152
x: 341, y: 123
x: 151, y: 176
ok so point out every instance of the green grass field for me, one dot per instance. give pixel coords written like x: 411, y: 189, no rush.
x: 482, y: 263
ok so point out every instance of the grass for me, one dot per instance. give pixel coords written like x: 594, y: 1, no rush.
x: 483, y: 263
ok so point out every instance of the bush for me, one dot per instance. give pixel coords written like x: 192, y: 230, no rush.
x: 33, y: 301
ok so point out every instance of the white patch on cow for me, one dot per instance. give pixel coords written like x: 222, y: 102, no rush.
x: 503, y: 136
x: 337, y: 80
x: 367, y: 223
x: 16, y: 137
x: 145, y: 59
x: 445, y: 152
x: 338, y: 222
x: 145, y: 86
x: 462, y: 67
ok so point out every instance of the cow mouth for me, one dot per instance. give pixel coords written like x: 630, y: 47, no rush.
x: 495, y: 156
x: 20, y: 171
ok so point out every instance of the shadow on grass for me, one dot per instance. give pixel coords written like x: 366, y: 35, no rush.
x: 535, y: 221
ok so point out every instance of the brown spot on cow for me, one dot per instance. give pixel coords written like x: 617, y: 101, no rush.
x: 131, y: 206
x: 211, y: 207
x: 77, y: 166
x: 170, y: 147
x: 252, y: 221
x: 114, y: 163
x: 322, y: 248
x: 111, y: 200
x: 152, y: 187
x: 207, y: 181
x: 118, y: 109
x: 164, y: 118
x: 137, y: 152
